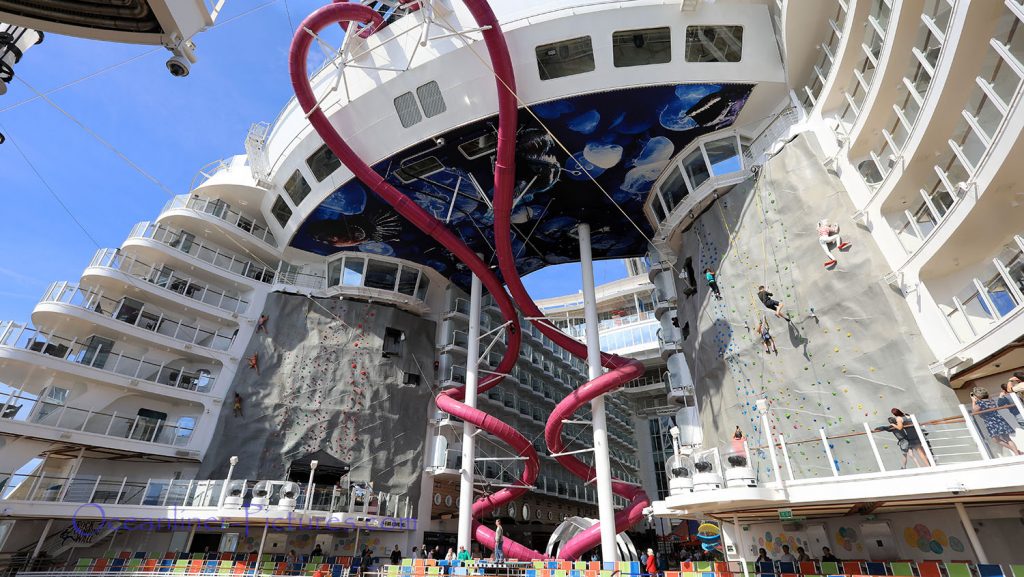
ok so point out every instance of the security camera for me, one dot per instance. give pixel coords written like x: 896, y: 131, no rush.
x: 179, y: 66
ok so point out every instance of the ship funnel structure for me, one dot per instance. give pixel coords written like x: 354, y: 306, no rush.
x: 14, y: 42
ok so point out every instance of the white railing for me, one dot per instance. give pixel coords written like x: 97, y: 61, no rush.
x: 187, y: 243
x: 130, y: 427
x: 221, y: 210
x: 96, y: 355
x: 168, y: 279
x: 150, y: 320
x: 988, y: 299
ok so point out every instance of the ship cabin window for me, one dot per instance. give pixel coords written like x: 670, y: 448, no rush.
x: 411, y: 379
x: 714, y: 43
x: 431, y: 99
x: 323, y: 163
x: 408, y: 111
x: 641, y: 47
x: 565, y: 58
x: 481, y: 146
x: 297, y: 188
x: 419, y: 169
x: 281, y: 211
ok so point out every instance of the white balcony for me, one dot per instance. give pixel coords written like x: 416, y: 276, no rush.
x: 163, y: 277
x: 246, y: 227
x: 135, y: 313
x: 222, y: 259
x: 94, y: 353
x: 136, y: 433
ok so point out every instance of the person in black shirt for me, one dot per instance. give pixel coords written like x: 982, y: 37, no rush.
x: 827, y: 556
x: 771, y: 304
x: 396, y: 556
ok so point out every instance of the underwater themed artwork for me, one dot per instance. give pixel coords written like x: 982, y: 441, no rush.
x: 591, y: 158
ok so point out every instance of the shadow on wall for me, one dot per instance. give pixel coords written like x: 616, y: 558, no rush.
x: 323, y: 383
x: 851, y: 350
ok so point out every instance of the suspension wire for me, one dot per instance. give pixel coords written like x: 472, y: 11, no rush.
x: 47, y: 186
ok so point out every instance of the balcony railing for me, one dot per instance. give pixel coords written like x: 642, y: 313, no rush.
x: 989, y: 298
x: 206, y: 493
x: 823, y: 67
x: 223, y: 211
x: 187, y: 243
x: 92, y: 353
x: 64, y: 418
x: 166, y: 278
x: 138, y: 315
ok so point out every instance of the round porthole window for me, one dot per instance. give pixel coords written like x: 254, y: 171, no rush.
x: 551, y: 516
x: 540, y: 514
x: 448, y: 501
x: 526, y: 512
x: 512, y: 510
x: 437, y: 498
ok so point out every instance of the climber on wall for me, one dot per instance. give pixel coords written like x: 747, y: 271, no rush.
x: 771, y: 304
x: 828, y: 234
x: 764, y: 332
x: 709, y: 275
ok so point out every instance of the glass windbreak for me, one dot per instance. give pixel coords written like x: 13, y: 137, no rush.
x: 714, y: 43
x: 1014, y: 263
x: 1000, y: 295
x: 673, y: 189
x: 296, y: 187
x: 407, y: 281
x: 641, y: 47
x: 565, y: 58
x: 724, y: 156
x: 421, y: 289
x: 352, y: 272
x: 696, y: 169
x: 381, y: 275
x: 281, y: 211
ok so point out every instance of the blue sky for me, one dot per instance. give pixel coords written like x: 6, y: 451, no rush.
x: 170, y: 127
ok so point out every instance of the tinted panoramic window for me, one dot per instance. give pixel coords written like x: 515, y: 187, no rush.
x: 297, y: 188
x: 565, y: 58
x: 323, y: 163
x: 281, y: 211
x: 431, y: 99
x: 640, y: 47
x: 714, y: 43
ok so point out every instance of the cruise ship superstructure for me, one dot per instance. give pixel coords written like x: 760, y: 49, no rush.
x: 315, y: 345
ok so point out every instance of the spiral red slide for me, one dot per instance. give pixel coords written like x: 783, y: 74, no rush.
x: 450, y: 399
x: 621, y: 369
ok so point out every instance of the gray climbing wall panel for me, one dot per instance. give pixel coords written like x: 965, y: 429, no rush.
x: 324, y: 384
x: 858, y: 355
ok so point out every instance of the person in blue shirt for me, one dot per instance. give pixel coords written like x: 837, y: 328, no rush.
x: 709, y: 275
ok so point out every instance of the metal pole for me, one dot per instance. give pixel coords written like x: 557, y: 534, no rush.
x: 602, y: 462
x: 309, y: 487
x: 874, y: 447
x: 762, y: 407
x: 465, y: 536
x: 224, y: 490
x: 971, y: 535
x: 49, y: 524
x: 828, y: 452
x: 263, y: 541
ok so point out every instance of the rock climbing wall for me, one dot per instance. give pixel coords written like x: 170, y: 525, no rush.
x: 324, y: 383
x: 852, y: 351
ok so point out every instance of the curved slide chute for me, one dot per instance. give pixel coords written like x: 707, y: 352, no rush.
x: 450, y: 399
x: 621, y: 369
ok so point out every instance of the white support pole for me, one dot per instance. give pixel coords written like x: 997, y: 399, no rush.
x: 924, y: 441
x: 971, y: 534
x: 874, y: 447
x: 465, y: 536
x: 828, y: 452
x: 263, y: 542
x: 978, y: 442
x: 224, y: 490
x: 766, y: 426
x: 785, y: 457
x: 49, y: 524
x: 602, y: 462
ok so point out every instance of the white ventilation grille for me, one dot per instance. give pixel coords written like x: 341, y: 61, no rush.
x: 431, y: 99
x: 407, y: 110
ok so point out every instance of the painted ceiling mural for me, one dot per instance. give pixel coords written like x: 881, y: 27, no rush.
x: 623, y: 139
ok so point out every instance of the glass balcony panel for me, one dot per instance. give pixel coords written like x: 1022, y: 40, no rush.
x: 724, y: 156
x: 999, y: 294
x: 673, y: 189
x: 696, y: 168
x: 352, y: 274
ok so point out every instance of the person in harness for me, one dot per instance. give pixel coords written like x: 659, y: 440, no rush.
x: 828, y: 234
